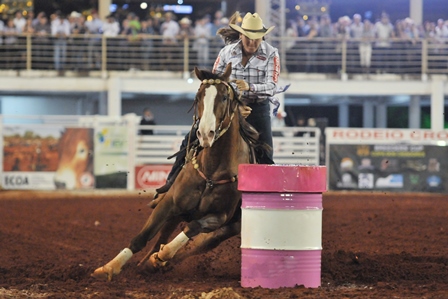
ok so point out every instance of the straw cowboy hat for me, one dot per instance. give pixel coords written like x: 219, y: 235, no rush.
x: 252, y: 26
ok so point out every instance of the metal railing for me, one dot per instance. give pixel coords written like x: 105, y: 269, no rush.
x: 151, y: 53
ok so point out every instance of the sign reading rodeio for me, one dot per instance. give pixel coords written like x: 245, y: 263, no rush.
x: 387, y: 160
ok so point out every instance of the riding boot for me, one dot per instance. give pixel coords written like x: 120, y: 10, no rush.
x: 177, y: 166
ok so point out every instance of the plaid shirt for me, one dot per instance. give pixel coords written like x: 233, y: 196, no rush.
x: 261, y: 71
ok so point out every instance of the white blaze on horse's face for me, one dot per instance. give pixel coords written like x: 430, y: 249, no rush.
x: 207, y: 125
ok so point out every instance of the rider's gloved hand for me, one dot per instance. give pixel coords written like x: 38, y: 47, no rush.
x: 244, y: 110
x: 241, y: 84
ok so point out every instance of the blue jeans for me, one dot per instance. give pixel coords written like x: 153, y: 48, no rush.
x: 60, y: 54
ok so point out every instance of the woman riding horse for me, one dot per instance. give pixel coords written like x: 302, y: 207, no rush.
x: 255, y: 72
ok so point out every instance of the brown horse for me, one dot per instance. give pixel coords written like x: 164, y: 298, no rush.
x: 205, y: 193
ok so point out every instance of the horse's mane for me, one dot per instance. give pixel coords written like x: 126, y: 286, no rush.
x: 247, y: 131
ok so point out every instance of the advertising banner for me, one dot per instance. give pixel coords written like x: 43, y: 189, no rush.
x: 151, y: 176
x: 47, y: 157
x: 387, y: 160
x: 111, y: 157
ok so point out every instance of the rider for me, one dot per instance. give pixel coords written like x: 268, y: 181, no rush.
x: 255, y: 72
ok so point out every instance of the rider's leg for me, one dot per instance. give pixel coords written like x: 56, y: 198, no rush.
x: 260, y: 119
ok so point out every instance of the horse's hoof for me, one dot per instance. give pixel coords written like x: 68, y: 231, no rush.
x: 103, y: 273
x: 148, y: 267
x: 155, y: 261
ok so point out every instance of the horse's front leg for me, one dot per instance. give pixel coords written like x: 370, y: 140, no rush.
x: 155, y: 222
x: 165, y: 234
x: 206, y: 224
x: 205, y: 242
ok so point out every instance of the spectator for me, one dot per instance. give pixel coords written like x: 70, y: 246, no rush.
x: 42, y: 42
x: 28, y: 28
x: 311, y: 48
x: 147, y: 42
x: 384, y: 32
x: 76, y: 42
x: 441, y: 30
x: 169, y: 30
x: 355, y: 29
x: 327, y: 47
x: 147, y: 119
x: 94, y: 28
x: 36, y: 19
x: 111, y: 29
x: 301, y: 123
x: 187, y: 32
x: 365, y: 46
x: 134, y: 35
x: 10, y: 33
x: 201, y: 44
x: 302, y: 27
x: 60, y: 30
x: 19, y: 21
x: 216, y: 42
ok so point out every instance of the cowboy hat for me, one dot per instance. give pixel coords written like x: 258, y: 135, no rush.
x: 252, y: 26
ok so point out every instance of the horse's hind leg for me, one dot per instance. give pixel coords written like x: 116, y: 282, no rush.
x: 206, y: 224
x: 155, y: 222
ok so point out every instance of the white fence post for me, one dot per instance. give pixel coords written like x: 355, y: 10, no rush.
x: 131, y: 120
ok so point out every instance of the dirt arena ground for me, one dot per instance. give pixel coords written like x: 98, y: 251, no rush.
x: 375, y: 245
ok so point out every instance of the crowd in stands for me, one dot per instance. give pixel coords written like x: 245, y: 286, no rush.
x: 79, y: 35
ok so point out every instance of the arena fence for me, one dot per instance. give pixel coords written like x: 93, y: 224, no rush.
x: 48, y: 152
x: 87, y: 53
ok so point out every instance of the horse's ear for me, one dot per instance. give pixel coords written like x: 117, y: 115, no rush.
x: 227, y: 72
x: 198, y: 73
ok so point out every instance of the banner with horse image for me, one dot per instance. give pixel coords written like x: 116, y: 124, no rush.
x: 111, y: 157
x: 397, y: 161
x: 41, y: 157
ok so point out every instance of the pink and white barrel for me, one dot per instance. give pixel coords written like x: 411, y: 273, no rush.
x: 281, y: 232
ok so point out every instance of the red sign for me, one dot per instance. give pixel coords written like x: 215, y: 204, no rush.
x: 151, y: 176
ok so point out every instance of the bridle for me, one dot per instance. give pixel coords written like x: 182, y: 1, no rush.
x: 219, y: 131
x: 231, y: 96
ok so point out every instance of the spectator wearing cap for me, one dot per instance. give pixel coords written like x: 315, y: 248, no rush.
x: 76, y: 42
